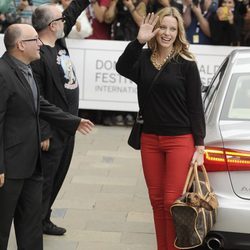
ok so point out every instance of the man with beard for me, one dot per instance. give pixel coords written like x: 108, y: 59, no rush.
x: 56, y: 77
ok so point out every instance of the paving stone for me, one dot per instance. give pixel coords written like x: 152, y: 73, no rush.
x: 138, y: 238
x: 139, y: 227
x: 114, y: 226
x: 93, y: 236
x: 96, y: 169
x: 58, y: 212
x: 118, y: 189
x: 140, y: 217
x: 58, y: 243
x: 75, y: 203
x: 101, y: 246
x: 84, y: 188
x: 104, y: 180
x: 94, y: 215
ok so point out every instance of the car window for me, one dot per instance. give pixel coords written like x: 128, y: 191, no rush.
x: 237, y: 101
x: 215, y: 83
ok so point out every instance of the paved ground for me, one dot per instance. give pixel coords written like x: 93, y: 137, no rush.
x: 103, y: 203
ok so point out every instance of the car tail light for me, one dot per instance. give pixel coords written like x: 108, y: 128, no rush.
x: 224, y: 159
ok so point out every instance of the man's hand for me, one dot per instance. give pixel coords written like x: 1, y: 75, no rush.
x: 85, y: 126
x: 45, y: 145
x: 1, y: 180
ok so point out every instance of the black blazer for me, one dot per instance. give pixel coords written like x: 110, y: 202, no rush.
x: 19, y: 122
x: 46, y: 70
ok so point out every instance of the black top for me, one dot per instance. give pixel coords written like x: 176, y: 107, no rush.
x: 174, y: 106
x: 55, y: 75
x: 68, y: 77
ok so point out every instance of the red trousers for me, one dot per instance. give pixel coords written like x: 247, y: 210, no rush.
x: 165, y: 160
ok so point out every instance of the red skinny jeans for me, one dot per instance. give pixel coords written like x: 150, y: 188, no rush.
x: 165, y: 161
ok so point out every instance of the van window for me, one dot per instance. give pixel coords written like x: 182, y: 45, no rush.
x: 237, y: 101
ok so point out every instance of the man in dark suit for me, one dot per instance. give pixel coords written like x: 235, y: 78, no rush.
x: 55, y: 75
x: 20, y: 168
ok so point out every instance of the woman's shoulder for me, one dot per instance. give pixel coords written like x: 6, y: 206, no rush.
x: 184, y: 59
x: 187, y: 64
x: 145, y: 53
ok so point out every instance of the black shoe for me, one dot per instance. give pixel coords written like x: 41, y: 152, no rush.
x: 52, y: 229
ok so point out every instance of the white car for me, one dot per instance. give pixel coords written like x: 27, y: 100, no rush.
x: 227, y: 157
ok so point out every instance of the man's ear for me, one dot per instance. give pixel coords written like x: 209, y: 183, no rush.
x: 52, y: 27
x: 20, y: 46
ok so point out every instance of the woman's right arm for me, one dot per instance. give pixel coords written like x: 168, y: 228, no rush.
x: 128, y: 63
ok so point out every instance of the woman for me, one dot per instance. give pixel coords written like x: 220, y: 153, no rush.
x: 174, y: 127
x: 227, y: 22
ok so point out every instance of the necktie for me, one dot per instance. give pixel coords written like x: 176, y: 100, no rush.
x: 32, y: 84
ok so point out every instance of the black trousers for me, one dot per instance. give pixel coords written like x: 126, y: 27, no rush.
x: 55, y: 165
x: 21, y: 199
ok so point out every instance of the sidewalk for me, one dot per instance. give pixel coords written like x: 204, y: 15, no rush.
x: 103, y: 203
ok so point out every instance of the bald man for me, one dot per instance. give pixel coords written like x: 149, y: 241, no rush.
x: 20, y: 168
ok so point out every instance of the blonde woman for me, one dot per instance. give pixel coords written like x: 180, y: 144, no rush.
x: 174, y: 127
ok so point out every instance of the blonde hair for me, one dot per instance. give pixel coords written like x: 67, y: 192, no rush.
x: 181, y: 45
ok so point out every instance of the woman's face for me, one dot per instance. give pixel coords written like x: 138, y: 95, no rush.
x: 228, y: 3
x: 168, y: 32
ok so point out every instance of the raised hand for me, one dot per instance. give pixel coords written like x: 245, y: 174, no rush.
x: 146, y: 32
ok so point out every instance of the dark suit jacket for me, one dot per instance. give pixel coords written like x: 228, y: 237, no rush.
x: 46, y: 70
x: 19, y: 122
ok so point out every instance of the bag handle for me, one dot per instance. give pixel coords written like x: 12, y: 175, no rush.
x: 206, y: 179
x: 189, y: 179
x: 193, y: 175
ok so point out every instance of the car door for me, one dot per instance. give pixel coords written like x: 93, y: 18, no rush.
x: 234, y: 125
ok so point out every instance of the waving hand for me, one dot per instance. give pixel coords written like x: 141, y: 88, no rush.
x: 146, y: 32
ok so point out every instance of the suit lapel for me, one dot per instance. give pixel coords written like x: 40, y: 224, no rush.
x: 27, y: 87
x: 23, y: 81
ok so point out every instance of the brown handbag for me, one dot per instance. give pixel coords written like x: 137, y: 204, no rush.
x: 195, y: 212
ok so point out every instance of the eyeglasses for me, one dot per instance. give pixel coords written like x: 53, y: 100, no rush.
x: 63, y: 19
x: 37, y: 40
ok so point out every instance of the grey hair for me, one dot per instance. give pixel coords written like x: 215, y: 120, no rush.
x: 11, y: 35
x: 42, y: 16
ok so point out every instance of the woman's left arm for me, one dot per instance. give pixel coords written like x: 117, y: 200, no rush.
x: 195, y: 109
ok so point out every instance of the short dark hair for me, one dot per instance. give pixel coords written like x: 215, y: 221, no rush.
x: 12, y: 33
x: 41, y: 17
